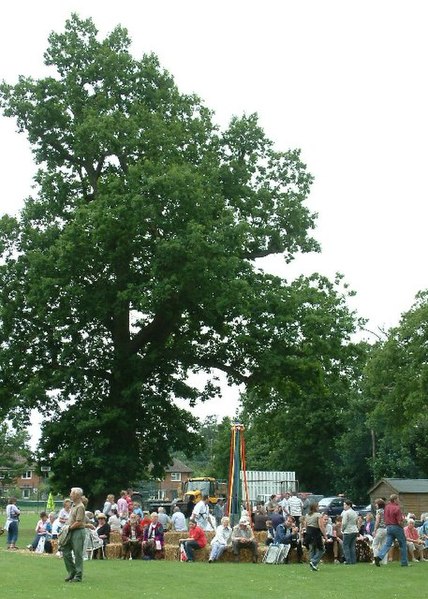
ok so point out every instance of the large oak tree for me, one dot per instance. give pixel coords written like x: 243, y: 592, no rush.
x: 132, y: 264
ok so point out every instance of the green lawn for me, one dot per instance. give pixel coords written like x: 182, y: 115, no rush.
x: 41, y: 577
x: 30, y: 576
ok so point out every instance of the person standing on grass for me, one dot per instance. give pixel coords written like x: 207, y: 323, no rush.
x: 295, y: 508
x: 12, y: 523
x: 350, y: 532
x: 122, y: 508
x: 315, y: 533
x: 379, y: 532
x: 394, y: 521
x: 201, y: 512
x: 76, y: 542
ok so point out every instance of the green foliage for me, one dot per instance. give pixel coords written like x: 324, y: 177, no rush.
x: 396, y: 381
x: 132, y: 266
x: 221, y: 450
x: 213, y: 457
x: 351, y: 470
x: 295, y: 425
x: 14, y: 452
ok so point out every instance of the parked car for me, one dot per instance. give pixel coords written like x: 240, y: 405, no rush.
x: 311, y: 498
x: 363, y: 510
x: 333, y: 506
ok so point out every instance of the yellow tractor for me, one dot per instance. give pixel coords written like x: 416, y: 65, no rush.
x: 194, y: 488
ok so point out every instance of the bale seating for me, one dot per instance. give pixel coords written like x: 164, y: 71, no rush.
x: 171, y: 550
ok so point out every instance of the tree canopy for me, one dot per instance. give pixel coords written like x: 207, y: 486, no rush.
x: 132, y: 266
x: 396, y: 387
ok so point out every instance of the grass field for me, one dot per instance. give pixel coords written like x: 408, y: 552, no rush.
x: 30, y: 576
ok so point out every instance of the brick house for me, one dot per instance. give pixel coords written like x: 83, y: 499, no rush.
x: 175, y: 474
x: 28, y: 482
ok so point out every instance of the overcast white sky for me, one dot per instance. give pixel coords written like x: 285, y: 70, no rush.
x: 345, y: 81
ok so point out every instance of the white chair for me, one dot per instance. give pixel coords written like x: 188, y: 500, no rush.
x: 92, y: 543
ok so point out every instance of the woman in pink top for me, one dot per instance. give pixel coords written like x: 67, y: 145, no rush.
x: 415, y: 544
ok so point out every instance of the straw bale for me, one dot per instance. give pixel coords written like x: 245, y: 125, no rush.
x: 113, y: 550
x: 115, y: 537
x: 172, y: 537
x: 171, y: 553
x: 260, y: 536
x: 202, y: 555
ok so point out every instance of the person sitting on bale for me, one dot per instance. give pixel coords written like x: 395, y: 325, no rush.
x: 132, y: 537
x: 41, y: 532
x: 103, y: 532
x: 153, y: 540
x: 221, y: 540
x: 49, y: 532
x: 288, y: 534
x: 270, y: 532
x: 196, y: 540
x: 415, y: 544
x: 243, y: 537
x: 423, y: 529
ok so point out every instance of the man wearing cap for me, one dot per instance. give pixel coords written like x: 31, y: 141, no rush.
x: 243, y: 537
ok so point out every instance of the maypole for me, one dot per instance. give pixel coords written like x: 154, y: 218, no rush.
x: 237, y: 463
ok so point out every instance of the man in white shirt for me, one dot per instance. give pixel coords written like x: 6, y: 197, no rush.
x: 201, y: 513
x: 295, y: 507
x: 284, y: 503
x: 178, y: 521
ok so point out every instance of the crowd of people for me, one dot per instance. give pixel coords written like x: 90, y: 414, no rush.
x: 350, y: 538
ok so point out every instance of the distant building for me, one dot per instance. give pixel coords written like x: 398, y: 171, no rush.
x: 412, y: 493
x: 28, y: 482
x: 174, y: 476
